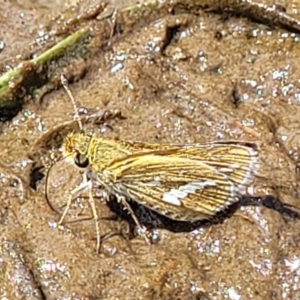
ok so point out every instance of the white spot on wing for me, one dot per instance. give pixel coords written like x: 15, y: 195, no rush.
x: 225, y: 170
x: 154, y: 183
x: 234, y: 166
x: 172, y: 199
x: 174, y: 195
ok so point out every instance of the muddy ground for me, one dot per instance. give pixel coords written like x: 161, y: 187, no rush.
x: 180, y: 75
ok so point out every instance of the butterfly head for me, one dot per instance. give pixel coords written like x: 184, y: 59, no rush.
x: 75, y: 149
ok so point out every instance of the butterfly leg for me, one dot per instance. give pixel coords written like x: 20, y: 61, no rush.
x: 96, y: 219
x: 83, y: 185
x: 126, y: 205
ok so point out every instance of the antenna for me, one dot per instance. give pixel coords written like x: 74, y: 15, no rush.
x: 64, y: 83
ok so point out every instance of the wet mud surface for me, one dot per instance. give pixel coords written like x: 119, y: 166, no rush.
x: 178, y: 76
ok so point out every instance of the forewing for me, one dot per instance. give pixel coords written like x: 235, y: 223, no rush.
x: 177, y: 187
x: 239, y: 161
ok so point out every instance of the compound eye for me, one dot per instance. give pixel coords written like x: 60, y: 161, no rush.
x: 81, y: 161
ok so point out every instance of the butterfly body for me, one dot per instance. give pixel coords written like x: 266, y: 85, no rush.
x: 184, y: 183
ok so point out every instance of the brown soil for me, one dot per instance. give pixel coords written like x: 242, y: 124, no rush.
x: 178, y: 77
